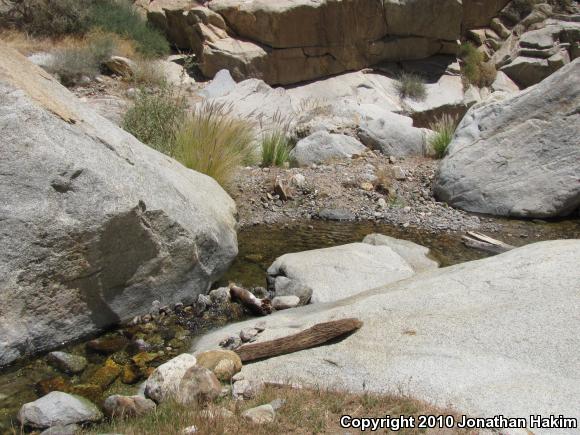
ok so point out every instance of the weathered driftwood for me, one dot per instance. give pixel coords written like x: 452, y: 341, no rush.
x: 485, y: 243
x: 256, y: 305
x: 311, y: 337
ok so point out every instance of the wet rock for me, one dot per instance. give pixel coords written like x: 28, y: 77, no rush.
x: 106, y: 375
x: 165, y: 379
x: 130, y: 374
x: 57, y: 383
x: 260, y: 414
x: 416, y: 255
x: 67, y: 362
x: 285, y: 302
x: 127, y: 406
x: 198, y: 385
x: 220, y: 295
x: 143, y: 359
x: 232, y: 342
x: 58, y: 408
x: 212, y: 359
x: 108, y: 345
x: 248, y: 334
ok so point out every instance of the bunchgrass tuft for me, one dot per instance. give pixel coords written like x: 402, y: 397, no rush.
x: 475, y: 70
x: 411, y: 85
x: 211, y: 140
x: 155, y: 117
x: 443, y: 130
x: 276, y: 143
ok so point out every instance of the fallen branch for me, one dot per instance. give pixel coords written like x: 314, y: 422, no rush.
x: 261, y: 307
x: 311, y: 337
x: 485, y: 243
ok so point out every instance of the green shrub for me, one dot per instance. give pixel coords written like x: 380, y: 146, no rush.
x: 72, y: 64
x: 120, y: 17
x: 212, y: 141
x: 52, y: 18
x: 443, y: 128
x: 475, y: 70
x: 411, y: 85
x: 155, y: 117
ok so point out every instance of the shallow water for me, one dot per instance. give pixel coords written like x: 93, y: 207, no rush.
x: 259, y: 246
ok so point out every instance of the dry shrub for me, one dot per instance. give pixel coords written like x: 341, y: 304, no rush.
x: 384, y: 182
x: 411, y: 85
x: 475, y: 70
x: 148, y: 73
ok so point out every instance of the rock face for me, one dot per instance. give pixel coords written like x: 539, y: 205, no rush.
x: 323, y: 147
x: 520, y: 156
x: 342, y: 271
x: 469, y: 334
x: 95, y: 225
x: 58, y: 408
x: 290, y: 41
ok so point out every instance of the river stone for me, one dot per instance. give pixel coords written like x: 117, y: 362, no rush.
x: 472, y: 334
x: 95, y: 224
x: 342, y: 271
x: 416, y: 255
x: 519, y: 156
x: 392, y: 134
x: 285, y: 302
x: 260, y: 414
x: 322, y: 147
x: 283, y: 286
x: 246, y: 389
x: 212, y: 358
x: 165, y: 379
x: 67, y: 362
x: 198, y: 385
x: 58, y: 408
x: 127, y: 406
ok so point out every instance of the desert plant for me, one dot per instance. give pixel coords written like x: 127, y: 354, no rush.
x: 443, y: 130
x: 52, y: 18
x: 71, y: 64
x: 276, y: 148
x: 212, y: 141
x: 121, y: 17
x: 411, y: 85
x: 155, y: 117
x: 475, y: 70
x: 148, y: 73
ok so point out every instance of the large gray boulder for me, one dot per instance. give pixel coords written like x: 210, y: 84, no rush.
x: 519, y: 156
x: 493, y: 336
x: 342, y: 271
x: 58, y: 408
x: 95, y: 225
x: 322, y: 147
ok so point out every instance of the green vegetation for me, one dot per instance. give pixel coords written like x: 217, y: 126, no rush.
x: 73, y: 63
x: 476, y: 71
x: 212, y: 141
x: 120, y: 17
x: 154, y: 118
x: 411, y: 85
x: 60, y: 18
x: 276, y: 147
x: 444, y: 128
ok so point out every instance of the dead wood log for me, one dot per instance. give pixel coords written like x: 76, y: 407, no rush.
x: 485, y: 243
x: 311, y: 337
x: 261, y: 307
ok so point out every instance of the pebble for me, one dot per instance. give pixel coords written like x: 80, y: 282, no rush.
x: 248, y: 334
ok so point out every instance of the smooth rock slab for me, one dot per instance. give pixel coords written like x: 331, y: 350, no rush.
x: 493, y: 336
x: 416, y: 255
x: 58, y: 408
x: 519, y: 156
x: 342, y: 271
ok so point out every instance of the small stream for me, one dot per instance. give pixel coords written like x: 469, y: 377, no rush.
x: 259, y: 246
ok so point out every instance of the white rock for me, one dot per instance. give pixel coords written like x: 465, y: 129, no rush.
x: 285, y: 302
x: 165, y: 379
x: 260, y: 414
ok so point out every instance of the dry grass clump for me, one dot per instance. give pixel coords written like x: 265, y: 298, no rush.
x: 475, y: 70
x: 212, y: 141
x: 305, y: 411
x: 148, y: 73
x: 411, y: 85
x: 276, y: 143
x: 443, y: 128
